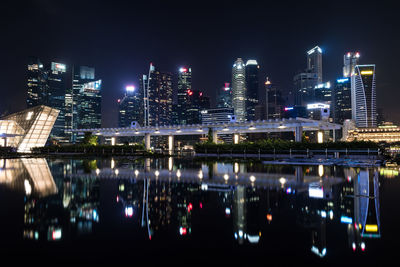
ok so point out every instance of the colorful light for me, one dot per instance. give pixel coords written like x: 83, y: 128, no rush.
x: 130, y: 88
x: 367, y: 72
x: 129, y: 211
x: 371, y: 228
x: 183, y: 230
x: 190, y: 207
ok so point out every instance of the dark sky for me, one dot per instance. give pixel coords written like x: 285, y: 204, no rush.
x: 121, y: 38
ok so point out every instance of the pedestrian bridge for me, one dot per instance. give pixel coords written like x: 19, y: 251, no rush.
x: 295, y: 125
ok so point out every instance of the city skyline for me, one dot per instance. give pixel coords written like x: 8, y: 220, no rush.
x: 278, y: 55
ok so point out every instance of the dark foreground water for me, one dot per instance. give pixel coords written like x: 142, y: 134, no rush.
x: 177, y: 211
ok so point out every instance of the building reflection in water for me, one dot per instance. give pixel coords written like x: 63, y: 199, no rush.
x: 162, y: 196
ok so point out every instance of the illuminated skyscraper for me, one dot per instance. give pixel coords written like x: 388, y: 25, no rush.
x: 55, y: 97
x: 304, y: 84
x: 224, y: 97
x: 306, y: 81
x: 89, y: 110
x: 252, y: 68
x: 195, y: 104
x: 314, y: 62
x: 130, y: 107
x: 350, y: 60
x: 157, y: 97
x: 363, y: 96
x: 36, y: 83
x: 86, y: 100
x: 239, y: 90
x: 184, y: 86
x: 341, y: 100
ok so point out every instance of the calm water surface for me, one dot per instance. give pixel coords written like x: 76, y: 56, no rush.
x: 182, y: 211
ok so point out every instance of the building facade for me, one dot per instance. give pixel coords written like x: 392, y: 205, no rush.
x: 224, y: 96
x: 89, y: 109
x: 252, y: 86
x: 274, y: 100
x: 239, y: 90
x: 341, y: 100
x: 184, y: 86
x: 157, y: 97
x: 314, y: 62
x: 27, y: 129
x: 363, y: 96
x: 130, y: 108
x: 350, y: 61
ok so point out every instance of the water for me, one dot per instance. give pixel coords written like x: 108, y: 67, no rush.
x: 180, y: 211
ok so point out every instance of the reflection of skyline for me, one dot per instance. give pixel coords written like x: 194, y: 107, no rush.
x: 163, y: 202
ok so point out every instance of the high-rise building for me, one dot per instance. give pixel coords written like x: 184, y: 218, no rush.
x: 341, y: 100
x: 304, y: 84
x: 239, y: 90
x: 184, y: 85
x: 314, y: 62
x: 323, y: 93
x: 350, y: 60
x: 275, y: 102
x: 36, y: 83
x: 130, y: 107
x: 86, y: 99
x: 55, y: 97
x: 224, y: 96
x: 363, y: 96
x: 80, y: 76
x: 252, y: 85
x: 89, y: 111
x: 195, y: 104
x: 67, y: 90
x: 306, y: 81
x: 157, y: 97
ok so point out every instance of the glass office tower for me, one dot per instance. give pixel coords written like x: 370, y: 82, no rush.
x: 363, y: 96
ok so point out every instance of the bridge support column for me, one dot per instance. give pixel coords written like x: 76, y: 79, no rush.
x: 236, y: 138
x: 170, y: 144
x: 298, y: 133
x: 215, y: 136
x: 147, y: 141
x: 320, y: 137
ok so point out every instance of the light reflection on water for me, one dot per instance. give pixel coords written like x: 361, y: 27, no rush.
x: 68, y: 200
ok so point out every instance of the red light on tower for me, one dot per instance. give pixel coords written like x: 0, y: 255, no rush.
x: 190, y: 92
x: 190, y: 207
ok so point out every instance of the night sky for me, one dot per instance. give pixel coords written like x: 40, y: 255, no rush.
x: 121, y: 38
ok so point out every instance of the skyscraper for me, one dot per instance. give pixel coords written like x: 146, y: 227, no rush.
x: 314, y: 62
x: 350, y: 60
x: 86, y: 99
x: 305, y: 82
x: 195, y: 104
x: 157, y: 97
x: 36, y: 83
x: 341, y: 100
x: 184, y: 84
x: 363, y: 96
x: 89, y: 111
x: 224, y: 96
x: 55, y: 97
x: 252, y: 68
x: 130, y: 107
x: 239, y: 90
x: 275, y: 102
x: 323, y: 93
